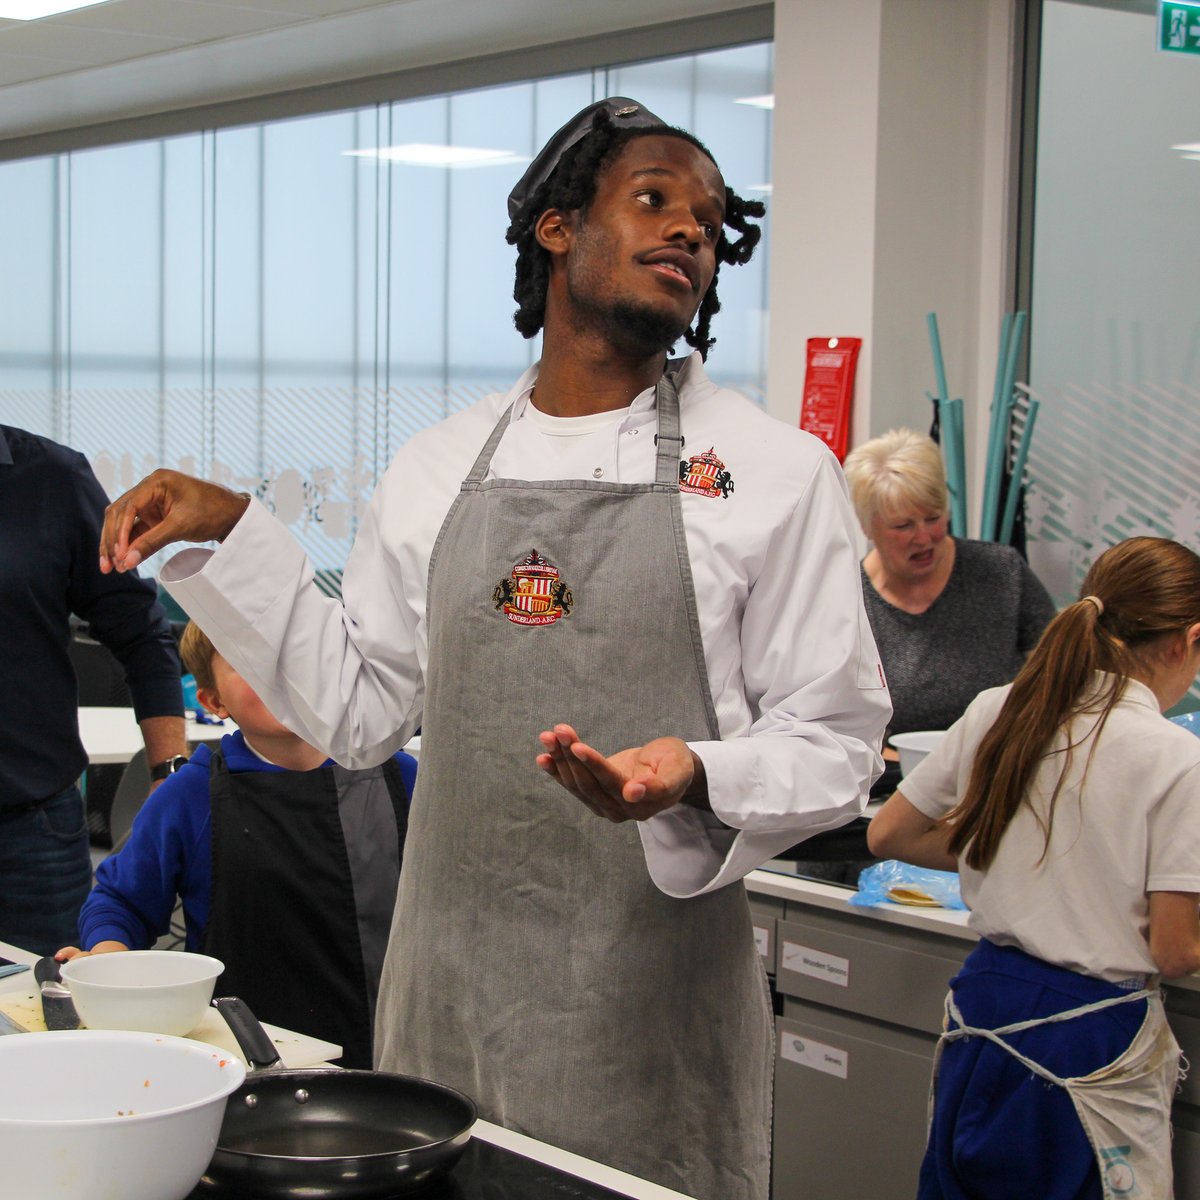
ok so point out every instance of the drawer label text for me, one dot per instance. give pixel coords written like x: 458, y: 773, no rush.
x: 817, y: 963
x: 762, y: 939
x: 816, y: 1055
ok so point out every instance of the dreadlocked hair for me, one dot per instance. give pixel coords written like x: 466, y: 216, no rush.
x: 572, y: 187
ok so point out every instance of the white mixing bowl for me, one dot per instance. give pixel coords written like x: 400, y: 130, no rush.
x: 914, y: 746
x: 99, y: 1115
x: 154, y: 991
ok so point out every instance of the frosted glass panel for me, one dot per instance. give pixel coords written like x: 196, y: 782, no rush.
x: 271, y: 307
x: 1115, y: 313
x: 29, y: 268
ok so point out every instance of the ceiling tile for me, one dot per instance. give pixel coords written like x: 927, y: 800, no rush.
x: 20, y: 68
x: 181, y: 20
x: 83, y: 47
x: 307, y: 8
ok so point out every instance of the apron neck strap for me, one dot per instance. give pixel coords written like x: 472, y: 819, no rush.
x: 479, y: 470
x: 668, y: 439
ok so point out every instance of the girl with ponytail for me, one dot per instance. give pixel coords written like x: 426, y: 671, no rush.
x: 1071, y: 810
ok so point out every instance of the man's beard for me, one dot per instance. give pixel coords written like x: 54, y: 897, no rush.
x: 632, y: 327
x: 636, y: 330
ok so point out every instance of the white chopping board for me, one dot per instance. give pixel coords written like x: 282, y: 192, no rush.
x: 295, y: 1049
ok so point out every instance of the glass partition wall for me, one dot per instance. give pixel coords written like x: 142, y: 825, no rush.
x: 1115, y: 290
x: 1115, y: 302
x: 280, y: 306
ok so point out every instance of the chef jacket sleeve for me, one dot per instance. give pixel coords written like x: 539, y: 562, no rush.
x: 819, y: 701
x: 350, y: 685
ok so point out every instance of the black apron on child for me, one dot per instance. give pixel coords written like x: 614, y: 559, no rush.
x: 304, y: 876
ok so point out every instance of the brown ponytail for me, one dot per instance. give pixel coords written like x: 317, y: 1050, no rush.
x: 1137, y: 593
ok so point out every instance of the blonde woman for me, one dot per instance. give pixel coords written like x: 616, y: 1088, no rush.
x: 1071, y: 810
x: 951, y: 616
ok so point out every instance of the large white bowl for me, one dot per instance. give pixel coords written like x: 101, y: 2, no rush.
x: 153, y: 991
x: 914, y: 746
x: 100, y: 1115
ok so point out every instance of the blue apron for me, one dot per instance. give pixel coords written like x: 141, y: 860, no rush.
x: 999, y: 1131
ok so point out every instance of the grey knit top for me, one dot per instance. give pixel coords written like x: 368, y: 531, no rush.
x: 975, y: 635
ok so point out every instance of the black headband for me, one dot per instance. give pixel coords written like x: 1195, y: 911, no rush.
x: 623, y: 111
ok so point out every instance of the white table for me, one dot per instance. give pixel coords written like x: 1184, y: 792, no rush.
x: 112, y: 735
x: 23, y: 981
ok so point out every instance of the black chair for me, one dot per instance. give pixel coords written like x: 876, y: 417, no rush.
x: 128, y: 799
x: 100, y: 677
x: 101, y: 683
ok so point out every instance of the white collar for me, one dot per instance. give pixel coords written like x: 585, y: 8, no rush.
x: 691, y: 369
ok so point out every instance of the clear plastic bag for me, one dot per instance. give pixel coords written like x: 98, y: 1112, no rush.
x: 892, y: 881
x: 1189, y: 721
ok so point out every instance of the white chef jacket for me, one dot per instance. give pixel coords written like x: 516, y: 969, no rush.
x: 795, y: 676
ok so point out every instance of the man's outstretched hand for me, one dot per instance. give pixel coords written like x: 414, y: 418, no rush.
x: 631, y: 785
x: 166, y: 507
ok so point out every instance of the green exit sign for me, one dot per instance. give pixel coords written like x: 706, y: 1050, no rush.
x: 1179, y: 27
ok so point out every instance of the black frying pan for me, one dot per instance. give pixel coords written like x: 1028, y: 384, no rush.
x: 325, y: 1132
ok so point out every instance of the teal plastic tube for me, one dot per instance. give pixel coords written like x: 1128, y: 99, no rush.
x: 993, y: 461
x: 1018, y: 474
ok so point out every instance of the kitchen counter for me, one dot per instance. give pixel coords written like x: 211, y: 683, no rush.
x: 498, y: 1164
x: 780, y: 882
x: 860, y: 995
x: 501, y: 1165
x: 21, y: 1002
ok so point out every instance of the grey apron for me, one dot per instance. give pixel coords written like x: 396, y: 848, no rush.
x: 532, y: 962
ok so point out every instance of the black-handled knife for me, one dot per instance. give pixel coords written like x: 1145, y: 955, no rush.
x: 58, y: 1008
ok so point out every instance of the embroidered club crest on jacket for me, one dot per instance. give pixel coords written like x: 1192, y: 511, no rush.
x: 705, y: 475
x: 533, y: 593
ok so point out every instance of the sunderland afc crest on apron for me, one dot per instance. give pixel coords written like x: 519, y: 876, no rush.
x: 533, y: 963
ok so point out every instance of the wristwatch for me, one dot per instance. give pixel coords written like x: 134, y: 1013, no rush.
x: 163, y: 769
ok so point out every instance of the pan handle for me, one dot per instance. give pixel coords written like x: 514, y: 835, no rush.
x: 253, y: 1039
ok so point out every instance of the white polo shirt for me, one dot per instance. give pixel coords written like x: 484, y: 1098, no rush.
x: 1131, y: 826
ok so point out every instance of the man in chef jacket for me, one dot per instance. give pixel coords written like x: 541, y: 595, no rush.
x: 623, y: 605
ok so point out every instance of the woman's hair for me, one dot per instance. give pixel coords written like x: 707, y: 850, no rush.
x: 1138, y: 595
x: 899, y: 469
x: 572, y: 187
x: 197, y: 653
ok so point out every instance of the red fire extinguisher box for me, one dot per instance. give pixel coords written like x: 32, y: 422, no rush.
x: 829, y: 390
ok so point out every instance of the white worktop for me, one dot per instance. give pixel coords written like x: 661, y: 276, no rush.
x: 112, y: 735
x: 948, y: 922
x: 551, y: 1156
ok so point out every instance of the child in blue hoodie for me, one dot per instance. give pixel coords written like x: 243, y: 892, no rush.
x: 285, y: 862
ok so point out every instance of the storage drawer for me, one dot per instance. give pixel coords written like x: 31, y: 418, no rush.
x: 851, y: 1101
x: 765, y: 912
x: 1185, y: 1150
x: 887, y: 972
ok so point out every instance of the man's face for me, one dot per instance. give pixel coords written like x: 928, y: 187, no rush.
x: 644, y: 253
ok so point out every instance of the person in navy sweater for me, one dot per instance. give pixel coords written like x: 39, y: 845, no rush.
x: 285, y: 862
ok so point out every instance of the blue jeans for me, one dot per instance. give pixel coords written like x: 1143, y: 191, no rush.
x: 45, y: 874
